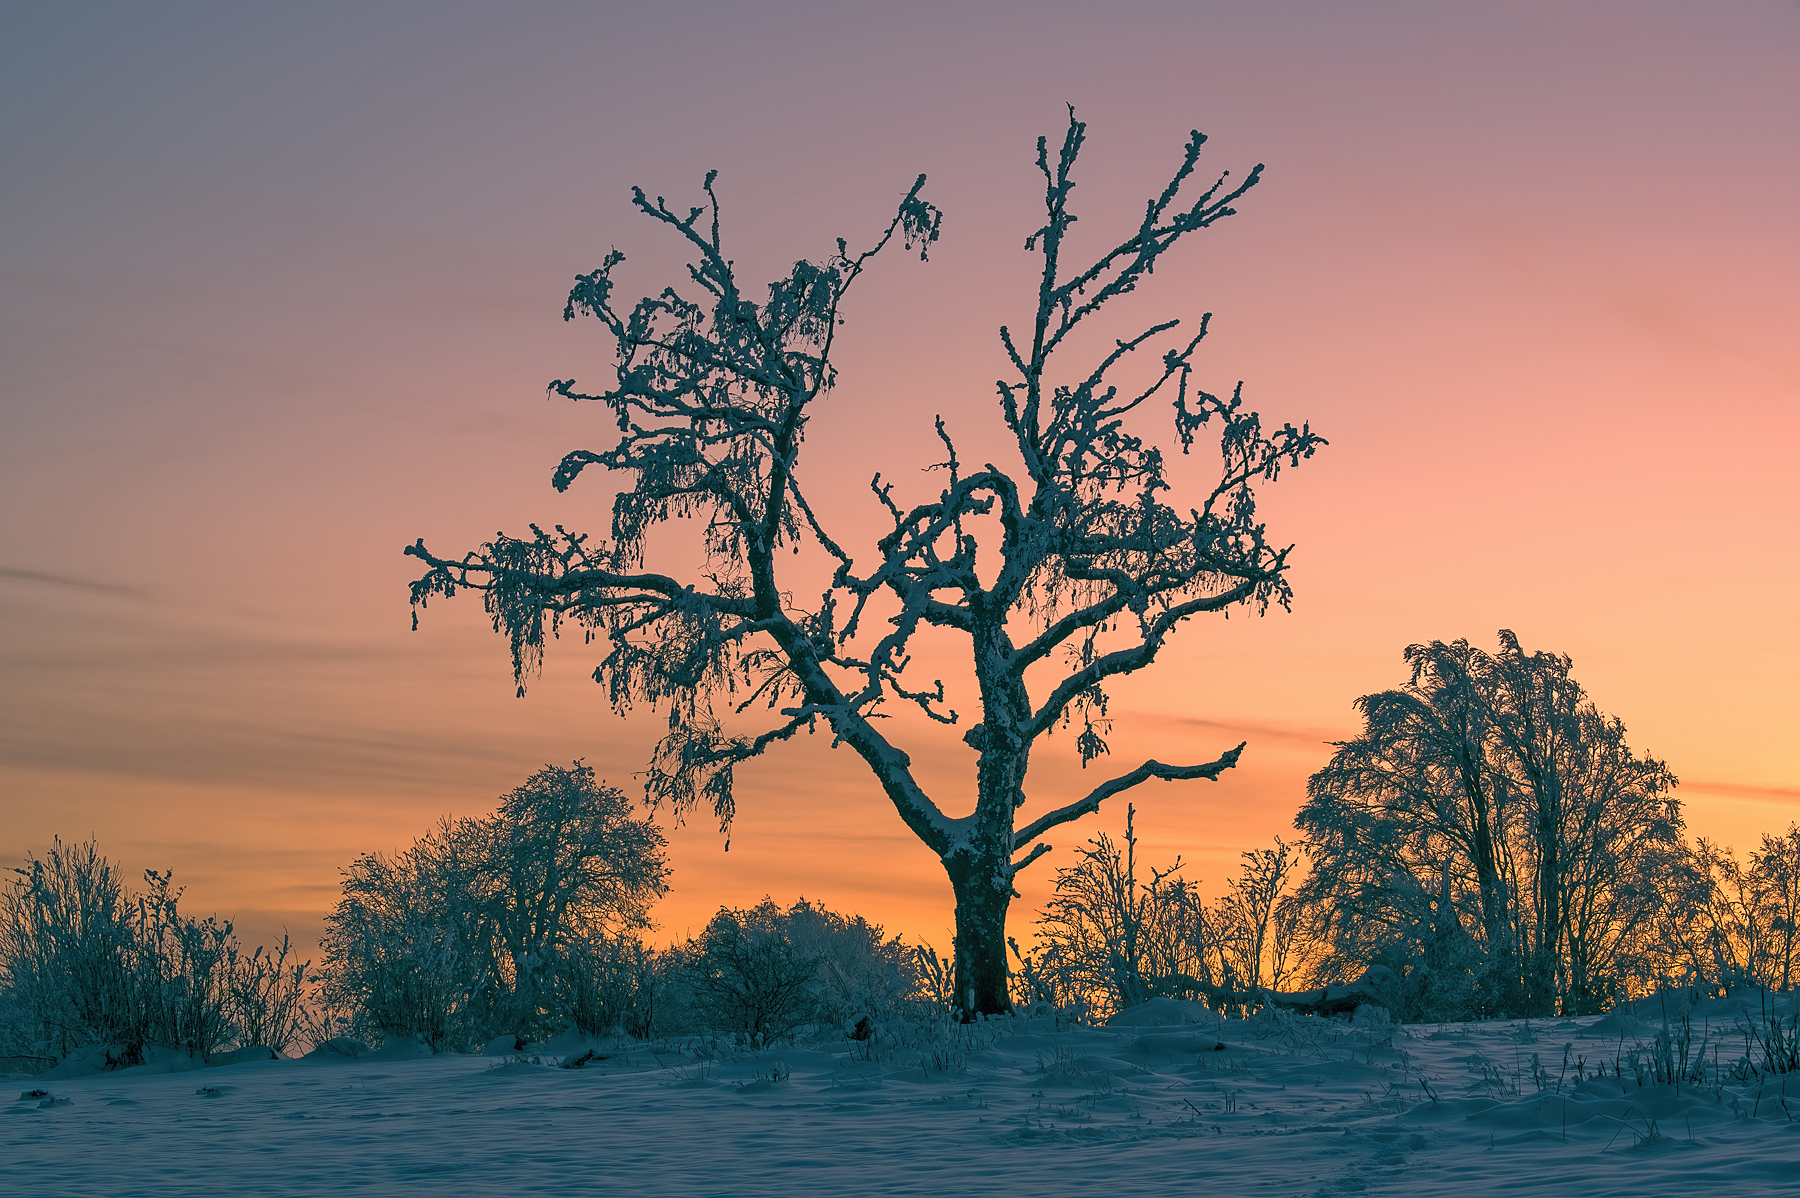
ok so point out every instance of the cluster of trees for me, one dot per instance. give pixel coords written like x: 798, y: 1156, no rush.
x: 527, y: 922
x: 1489, y: 843
x: 516, y: 922
x: 87, y: 963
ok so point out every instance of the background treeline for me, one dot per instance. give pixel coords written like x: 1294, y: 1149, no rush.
x: 1487, y: 845
x: 528, y: 922
x: 1489, y: 840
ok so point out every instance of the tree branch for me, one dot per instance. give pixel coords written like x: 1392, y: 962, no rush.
x: 1106, y: 790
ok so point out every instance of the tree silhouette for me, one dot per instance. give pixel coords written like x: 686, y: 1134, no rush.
x: 1089, y: 564
x: 1488, y: 802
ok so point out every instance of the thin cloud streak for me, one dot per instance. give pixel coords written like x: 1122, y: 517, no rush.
x: 45, y: 578
x: 1254, y: 729
x: 1736, y: 790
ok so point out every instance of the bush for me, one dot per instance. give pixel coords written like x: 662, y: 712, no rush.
x: 764, y: 973
x: 85, y: 963
x: 610, y: 984
x: 1109, y: 939
x: 395, y: 960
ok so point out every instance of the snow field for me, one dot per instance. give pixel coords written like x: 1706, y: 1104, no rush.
x: 1024, y: 1105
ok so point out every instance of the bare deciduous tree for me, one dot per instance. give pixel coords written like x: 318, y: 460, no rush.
x: 1085, y: 568
x: 1257, y: 921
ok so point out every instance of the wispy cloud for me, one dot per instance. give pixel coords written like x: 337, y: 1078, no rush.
x: 45, y: 578
x: 1254, y: 729
x: 1739, y: 790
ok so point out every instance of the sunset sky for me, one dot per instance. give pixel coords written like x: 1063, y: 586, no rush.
x: 282, y: 289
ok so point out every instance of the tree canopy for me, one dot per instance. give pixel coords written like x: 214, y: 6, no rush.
x: 1491, y: 824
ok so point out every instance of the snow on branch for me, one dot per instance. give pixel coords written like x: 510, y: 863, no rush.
x: 1106, y: 790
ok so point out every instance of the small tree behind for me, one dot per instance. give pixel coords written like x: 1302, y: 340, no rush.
x: 1727, y: 923
x: 1085, y: 569
x: 493, y: 925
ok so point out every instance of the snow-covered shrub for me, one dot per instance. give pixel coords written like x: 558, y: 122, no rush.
x: 1110, y: 940
x: 84, y: 962
x: 396, y: 962
x: 1107, y: 940
x: 763, y: 973
x: 609, y: 984
x: 859, y: 974
x: 66, y: 948
x: 749, y: 978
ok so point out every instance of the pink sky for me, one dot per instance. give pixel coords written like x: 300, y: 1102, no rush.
x: 281, y: 290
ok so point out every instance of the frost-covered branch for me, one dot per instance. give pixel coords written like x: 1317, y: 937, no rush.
x: 1106, y: 790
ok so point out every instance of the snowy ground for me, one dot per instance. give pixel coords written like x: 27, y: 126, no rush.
x: 1298, y: 1107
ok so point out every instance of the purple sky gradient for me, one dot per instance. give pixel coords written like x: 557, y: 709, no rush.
x: 281, y: 291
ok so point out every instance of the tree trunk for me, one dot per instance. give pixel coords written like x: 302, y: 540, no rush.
x: 981, y: 903
x: 1495, y: 921
x: 1550, y: 914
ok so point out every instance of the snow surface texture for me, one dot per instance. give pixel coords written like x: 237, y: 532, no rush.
x: 1168, y: 1101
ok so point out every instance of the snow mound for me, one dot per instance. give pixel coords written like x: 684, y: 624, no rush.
x: 338, y: 1048
x: 1164, y: 1012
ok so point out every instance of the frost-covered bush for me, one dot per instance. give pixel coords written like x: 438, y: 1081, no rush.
x: 611, y: 984
x: 763, y: 973
x: 396, y: 962
x: 749, y: 978
x: 83, y: 962
x: 859, y: 973
x: 499, y: 924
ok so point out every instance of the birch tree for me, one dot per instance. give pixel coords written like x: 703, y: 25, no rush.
x: 1489, y: 797
x: 1086, y: 567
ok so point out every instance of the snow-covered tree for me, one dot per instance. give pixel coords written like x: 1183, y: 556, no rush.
x: 466, y: 933
x: 1085, y: 568
x: 1489, y: 803
x: 1730, y: 924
